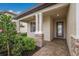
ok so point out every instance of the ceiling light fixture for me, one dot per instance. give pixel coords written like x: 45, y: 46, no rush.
x: 57, y: 14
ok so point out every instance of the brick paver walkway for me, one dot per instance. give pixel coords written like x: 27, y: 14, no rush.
x: 57, y: 47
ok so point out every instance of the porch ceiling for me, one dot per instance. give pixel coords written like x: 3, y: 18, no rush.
x: 62, y: 11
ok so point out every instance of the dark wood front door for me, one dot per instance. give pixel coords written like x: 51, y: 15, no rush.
x: 59, y: 29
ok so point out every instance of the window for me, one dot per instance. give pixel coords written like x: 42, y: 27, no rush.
x: 32, y: 27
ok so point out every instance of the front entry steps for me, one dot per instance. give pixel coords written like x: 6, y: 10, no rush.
x: 57, y: 47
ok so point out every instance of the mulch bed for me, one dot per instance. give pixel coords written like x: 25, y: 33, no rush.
x: 24, y: 53
x: 3, y: 53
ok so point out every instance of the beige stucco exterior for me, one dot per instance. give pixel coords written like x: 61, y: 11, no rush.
x: 24, y: 28
x: 68, y: 16
x: 65, y: 29
x: 49, y: 28
x: 71, y: 25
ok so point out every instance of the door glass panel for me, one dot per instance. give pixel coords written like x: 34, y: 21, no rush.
x: 59, y: 29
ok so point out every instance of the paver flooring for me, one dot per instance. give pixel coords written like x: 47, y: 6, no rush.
x: 57, y: 47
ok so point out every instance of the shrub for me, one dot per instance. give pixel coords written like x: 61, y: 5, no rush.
x: 2, y: 42
x: 22, y: 43
x: 7, y: 29
x: 29, y: 43
x: 17, y: 46
x: 11, y: 41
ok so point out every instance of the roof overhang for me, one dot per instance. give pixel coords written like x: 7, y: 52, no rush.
x: 35, y: 9
x: 44, y: 10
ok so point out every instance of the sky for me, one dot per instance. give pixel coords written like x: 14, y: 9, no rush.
x: 16, y: 7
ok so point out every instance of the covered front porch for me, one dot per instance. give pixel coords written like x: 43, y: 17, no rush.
x: 57, y: 22
x: 43, y: 26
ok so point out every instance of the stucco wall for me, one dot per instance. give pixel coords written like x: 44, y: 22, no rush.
x: 21, y: 29
x: 71, y: 25
x: 24, y: 28
x: 46, y: 28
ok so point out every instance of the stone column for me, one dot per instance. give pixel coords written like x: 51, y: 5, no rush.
x: 39, y: 31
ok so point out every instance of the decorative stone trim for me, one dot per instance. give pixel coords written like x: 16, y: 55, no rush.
x: 75, y: 46
x: 39, y: 40
x: 77, y: 43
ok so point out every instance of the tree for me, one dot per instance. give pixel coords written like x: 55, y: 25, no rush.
x: 7, y: 31
x: 12, y: 42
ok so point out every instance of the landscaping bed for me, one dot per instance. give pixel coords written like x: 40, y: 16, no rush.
x: 24, y: 53
x: 24, y: 46
x: 13, y: 43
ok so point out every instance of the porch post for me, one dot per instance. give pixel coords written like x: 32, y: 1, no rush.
x: 37, y: 25
x: 40, y: 23
x: 39, y: 33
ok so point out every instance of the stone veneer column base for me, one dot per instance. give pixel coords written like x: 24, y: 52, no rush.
x: 75, y: 46
x: 39, y: 40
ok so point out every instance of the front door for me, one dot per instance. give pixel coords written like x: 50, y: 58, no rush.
x: 59, y: 29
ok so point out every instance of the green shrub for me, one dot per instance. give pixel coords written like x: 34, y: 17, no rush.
x: 22, y: 43
x: 10, y: 40
x: 2, y: 42
x: 29, y: 43
x: 17, y: 46
x: 16, y: 51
